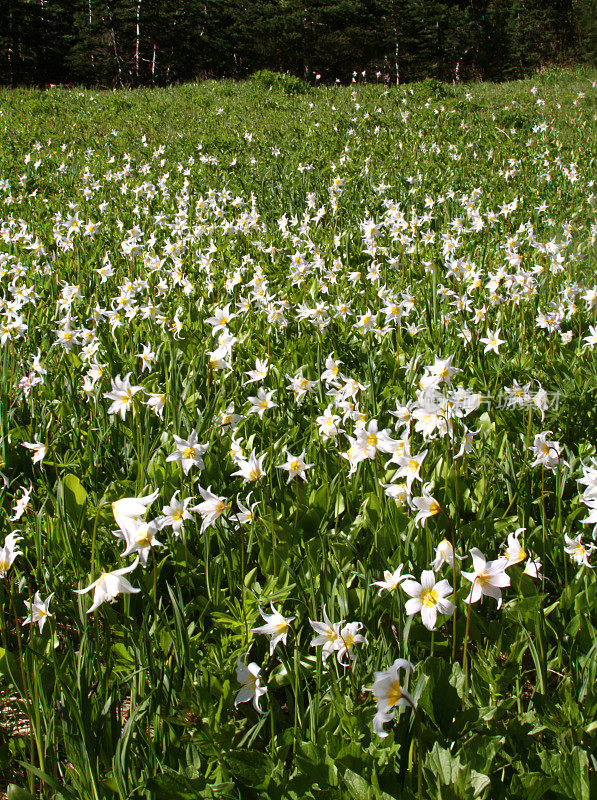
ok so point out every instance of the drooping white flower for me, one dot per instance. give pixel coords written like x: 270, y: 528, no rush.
x: 21, y: 504
x: 427, y: 506
x: 246, y: 513
x: 515, y: 552
x: 328, y: 634
x: 9, y: 552
x: 175, y: 514
x: 140, y: 538
x: 250, y: 687
x: 389, y: 694
x: 38, y: 610
x: 487, y: 578
x: 128, y: 511
x: 39, y: 450
x: 211, y: 508
x: 252, y: 469
x: 260, y: 371
x: 276, y: 626
x: 349, y: 636
x: 109, y: 585
x: 391, y: 580
x: 579, y: 551
x: 444, y: 554
x: 546, y: 452
x: 261, y: 402
x: 121, y: 395
x: 157, y: 401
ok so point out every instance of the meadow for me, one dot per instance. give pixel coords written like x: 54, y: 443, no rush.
x: 298, y: 428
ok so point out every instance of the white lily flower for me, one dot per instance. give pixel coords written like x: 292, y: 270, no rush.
x: 38, y: 610
x: 211, y: 508
x: 391, y: 580
x: 488, y: 577
x: 109, y: 585
x: 39, y: 450
x: 128, y: 511
x: 389, y: 694
x: 250, y: 688
x: 275, y: 626
x: 428, y: 597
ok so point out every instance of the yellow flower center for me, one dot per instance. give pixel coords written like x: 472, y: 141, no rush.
x: 521, y: 556
x: 372, y: 439
x: 220, y: 506
x: 263, y: 404
x: 295, y: 466
x: 188, y: 452
x: 177, y: 515
x: 428, y: 598
x: 251, y: 680
x: 483, y: 578
x: 413, y: 465
x: 434, y: 507
x: 144, y: 538
x: 394, y: 693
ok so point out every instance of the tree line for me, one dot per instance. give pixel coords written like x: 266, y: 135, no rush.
x: 154, y: 42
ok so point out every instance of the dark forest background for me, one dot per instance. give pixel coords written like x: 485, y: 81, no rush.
x: 154, y: 42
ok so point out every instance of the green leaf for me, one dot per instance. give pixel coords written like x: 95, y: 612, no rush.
x: 15, y: 792
x: 9, y: 668
x: 358, y: 787
x: 73, y: 496
x: 449, y: 771
x: 250, y: 767
x: 170, y: 786
x: 439, y: 698
x: 573, y: 774
x: 531, y: 785
x: 50, y: 781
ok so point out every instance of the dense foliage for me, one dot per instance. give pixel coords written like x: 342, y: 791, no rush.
x: 298, y: 491
x: 154, y: 42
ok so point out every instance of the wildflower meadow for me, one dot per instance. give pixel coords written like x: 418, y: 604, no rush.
x: 298, y: 430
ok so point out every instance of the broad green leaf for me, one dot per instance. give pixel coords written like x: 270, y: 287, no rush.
x: 15, y: 792
x: 73, y: 495
x: 250, y: 767
x: 358, y: 787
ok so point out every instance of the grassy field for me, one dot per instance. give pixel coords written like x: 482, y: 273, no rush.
x: 298, y: 441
